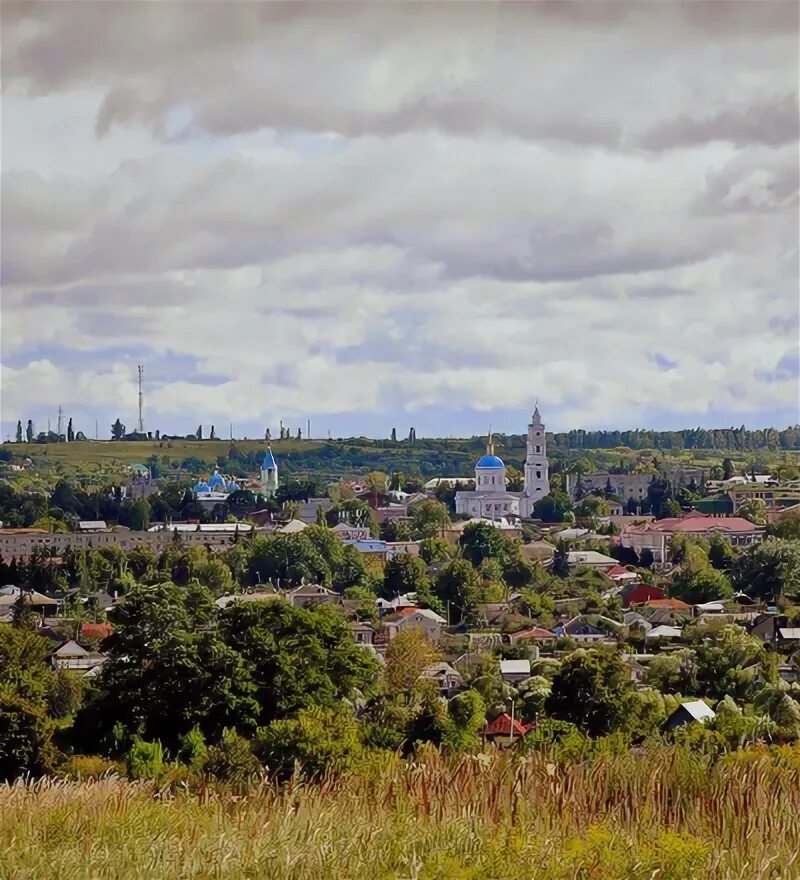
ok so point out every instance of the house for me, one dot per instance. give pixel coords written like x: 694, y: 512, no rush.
x: 788, y: 634
x: 636, y: 622
x: 505, y: 729
x: 70, y: 655
x: 293, y: 527
x: 37, y: 602
x: 363, y: 632
x: 429, y: 622
x: 590, y: 559
x: 765, y: 626
x: 351, y: 534
x: 590, y: 628
x: 637, y: 671
x: 537, y: 634
x: 621, y: 575
x: 96, y: 631
x: 256, y: 596
x: 664, y: 632
x: 515, y: 670
x: 447, y: 679
x: 312, y: 594
x: 657, y: 536
x: 688, y: 713
x: 638, y: 594
x: 92, y: 525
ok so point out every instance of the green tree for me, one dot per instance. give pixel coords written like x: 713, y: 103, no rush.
x: 458, y: 584
x: 25, y: 736
x: 787, y: 527
x: 403, y: 574
x: 299, y: 657
x: 318, y: 741
x: 481, y: 540
x: 290, y: 558
x: 19, y: 432
x: 553, y: 508
x: 769, y: 569
x: 168, y: 671
x: 29, y: 432
x: 592, y: 506
x: 728, y: 470
x: 755, y: 510
x: 70, y: 432
x: 560, y: 565
x: 466, y: 716
x: 407, y: 654
x: 435, y: 550
x: 139, y: 517
x: 591, y: 690
x: 429, y: 518
x: 721, y: 552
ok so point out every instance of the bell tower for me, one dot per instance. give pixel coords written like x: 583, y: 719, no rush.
x: 537, y: 477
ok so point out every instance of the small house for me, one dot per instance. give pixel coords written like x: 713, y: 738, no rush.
x: 515, y: 670
x: 447, y: 679
x: 689, y: 713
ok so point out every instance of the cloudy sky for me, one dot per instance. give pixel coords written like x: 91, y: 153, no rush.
x: 386, y: 215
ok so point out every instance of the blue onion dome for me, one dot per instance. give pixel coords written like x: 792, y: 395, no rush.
x: 202, y: 487
x: 269, y: 460
x: 490, y: 461
x: 232, y: 486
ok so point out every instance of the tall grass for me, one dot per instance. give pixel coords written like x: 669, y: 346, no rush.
x: 667, y: 815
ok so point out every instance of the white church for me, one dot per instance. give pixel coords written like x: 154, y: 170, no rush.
x: 491, y: 499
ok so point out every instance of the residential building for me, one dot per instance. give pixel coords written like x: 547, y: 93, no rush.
x: 657, y: 536
x: 312, y: 594
x: 537, y: 634
x: 363, y: 633
x: 590, y: 559
x: 693, y: 711
x: 447, y: 679
x: 515, y: 670
x: 70, y: 655
x: 504, y: 730
x: 428, y: 622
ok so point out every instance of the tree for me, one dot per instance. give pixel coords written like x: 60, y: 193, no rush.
x: 19, y: 432
x: 407, y: 654
x: 769, y: 569
x: 673, y: 673
x: 298, y: 657
x: 786, y: 527
x: 592, y: 506
x: 728, y: 470
x: 429, y: 518
x: 70, y: 432
x: 553, y: 508
x: 139, y: 515
x: 25, y: 737
x: 394, y: 435
x: 403, y: 574
x: 118, y: 430
x: 458, y: 584
x: 481, y: 540
x: 560, y: 564
x: 755, y: 510
x: 199, y: 432
x: 212, y: 435
x: 168, y: 671
x: 289, y: 558
x: 29, y: 432
x: 659, y: 494
x: 318, y: 741
x: 703, y: 584
x: 435, y: 550
x: 466, y: 716
x: 591, y: 690
x: 721, y: 552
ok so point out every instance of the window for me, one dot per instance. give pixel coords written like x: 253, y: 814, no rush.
x: 493, y: 481
x: 538, y: 448
x: 538, y: 475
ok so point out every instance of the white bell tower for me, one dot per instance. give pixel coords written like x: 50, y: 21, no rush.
x: 537, y: 477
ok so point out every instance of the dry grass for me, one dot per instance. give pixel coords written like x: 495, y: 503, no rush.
x: 668, y: 816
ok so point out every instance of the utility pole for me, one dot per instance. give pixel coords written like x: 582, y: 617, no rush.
x: 308, y: 429
x: 141, y: 399
x: 96, y: 430
x: 60, y: 420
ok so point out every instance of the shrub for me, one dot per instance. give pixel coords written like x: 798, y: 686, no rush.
x: 145, y: 759
x: 232, y: 761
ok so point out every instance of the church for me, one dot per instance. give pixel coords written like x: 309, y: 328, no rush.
x: 491, y: 499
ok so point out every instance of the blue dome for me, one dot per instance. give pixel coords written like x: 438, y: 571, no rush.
x: 233, y: 486
x: 490, y: 461
x: 217, y: 480
x: 202, y: 487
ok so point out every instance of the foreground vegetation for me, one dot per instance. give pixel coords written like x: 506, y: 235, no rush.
x: 662, y: 815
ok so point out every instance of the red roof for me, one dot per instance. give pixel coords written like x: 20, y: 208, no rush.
x: 96, y: 630
x: 675, y: 604
x: 697, y: 523
x: 534, y: 632
x: 502, y: 726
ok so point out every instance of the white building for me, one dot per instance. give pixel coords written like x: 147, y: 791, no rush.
x: 269, y: 474
x: 490, y: 498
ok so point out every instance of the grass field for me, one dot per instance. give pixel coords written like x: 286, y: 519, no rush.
x: 664, y: 816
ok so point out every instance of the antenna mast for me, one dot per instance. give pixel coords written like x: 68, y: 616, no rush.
x: 60, y: 421
x: 141, y: 399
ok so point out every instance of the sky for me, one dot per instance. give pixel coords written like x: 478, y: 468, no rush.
x: 376, y: 216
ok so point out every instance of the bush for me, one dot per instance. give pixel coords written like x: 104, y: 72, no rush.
x: 145, y: 759
x: 232, y: 761
x: 91, y: 767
